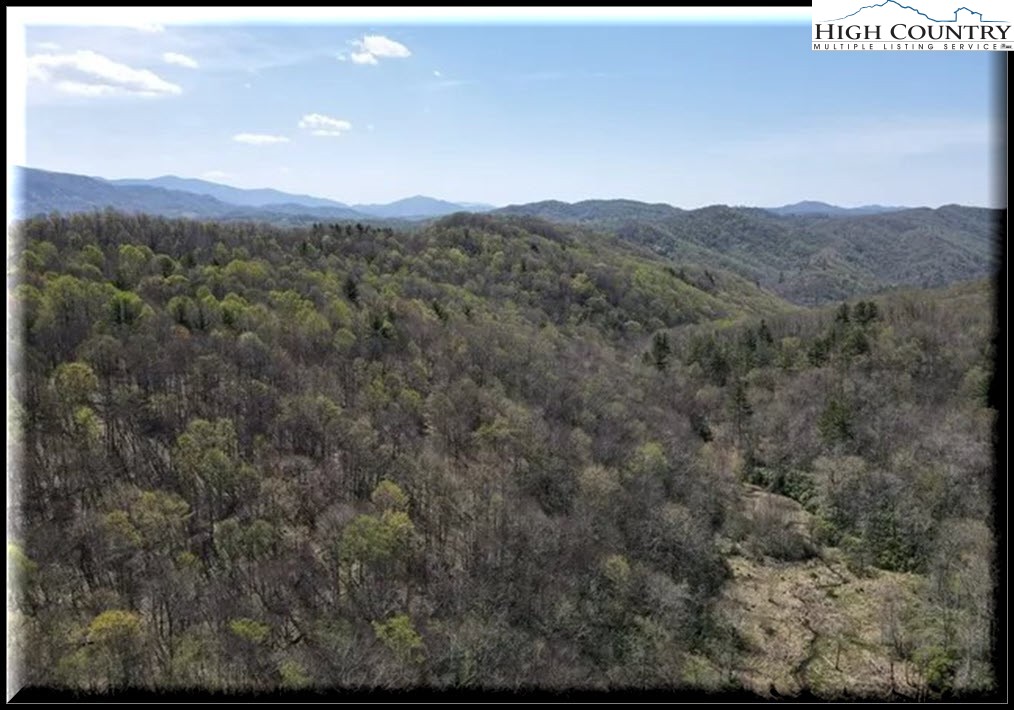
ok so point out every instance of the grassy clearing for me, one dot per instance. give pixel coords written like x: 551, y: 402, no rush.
x: 812, y: 625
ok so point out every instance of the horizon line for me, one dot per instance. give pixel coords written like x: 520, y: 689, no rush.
x: 496, y: 206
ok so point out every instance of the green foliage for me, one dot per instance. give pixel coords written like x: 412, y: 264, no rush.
x: 660, y: 351
x: 616, y: 569
x: 114, y: 627
x: 372, y: 539
x: 398, y: 634
x: 253, y: 541
x: 855, y: 343
x: 19, y: 563
x: 938, y: 666
x: 125, y: 308
x: 865, y: 312
x: 249, y: 630
x: 835, y: 423
x: 206, y: 456
x: 121, y: 530
x: 87, y: 424
x: 75, y: 382
x: 389, y: 496
x: 819, y: 352
x: 794, y: 484
x: 131, y: 264
x: 649, y: 460
x: 293, y: 675
x: 739, y: 402
x: 712, y: 358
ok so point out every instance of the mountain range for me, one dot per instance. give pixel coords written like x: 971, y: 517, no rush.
x: 172, y: 196
x: 43, y: 191
x: 808, y: 253
x: 812, y: 208
x: 808, y: 257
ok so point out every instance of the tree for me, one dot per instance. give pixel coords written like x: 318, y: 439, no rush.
x: 206, y: 458
x: 75, y: 383
x: 842, y: 314
x: 836, y: 421
x: 661, y: 351
x: 740, y: 410
x: 865, y: 312
x: 400, y: 637
x: 116, y: 635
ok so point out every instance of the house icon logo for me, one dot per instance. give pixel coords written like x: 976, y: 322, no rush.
x: 961, y: 14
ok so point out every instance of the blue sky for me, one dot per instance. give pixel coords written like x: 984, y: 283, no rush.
x: 684, y: 114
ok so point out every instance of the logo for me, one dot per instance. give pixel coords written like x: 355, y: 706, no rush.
x: 913, y: 25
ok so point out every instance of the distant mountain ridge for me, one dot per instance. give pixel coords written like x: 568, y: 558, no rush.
x: 808, y: 254
x: 811, y: 207
x: 617, y: 209
x: 43, y: 191
x: 419, y: 207
x: 593, y: 210
x: 233, y: 195
x: 416, y: 207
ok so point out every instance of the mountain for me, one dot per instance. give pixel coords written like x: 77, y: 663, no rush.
x: 597, y: 211
x: 807, y: 259
x: 811, y: 208
x: 232, y: 195
x: 417, y: 207
x: 42, y: 192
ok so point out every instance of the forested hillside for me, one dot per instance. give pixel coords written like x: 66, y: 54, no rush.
x: 495, y: 452
x: 809, y: 260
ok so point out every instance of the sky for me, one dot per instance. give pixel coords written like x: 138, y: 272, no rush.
x: 687, y: 114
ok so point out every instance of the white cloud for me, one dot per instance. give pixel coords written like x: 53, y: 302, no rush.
x: 320, y: 125
x: 259, y: 138
x: 48, y: 46
x: 437, y: 73
x: 77, y: 88
x: 181, y: 60
x: 216, y: 175
x: 372, y: 48
x: 362, y: 58
x: 87, y: 73
x: 381, y: 46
